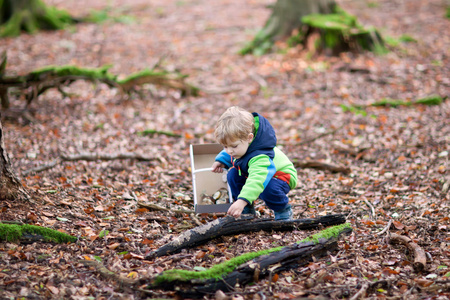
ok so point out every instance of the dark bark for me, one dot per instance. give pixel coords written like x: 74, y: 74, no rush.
x: 30, y: 16
x: 10, y: 186
x: 285, y: 18
x: 231, y: 226
x: 337, y: 31
x: 289, y: 257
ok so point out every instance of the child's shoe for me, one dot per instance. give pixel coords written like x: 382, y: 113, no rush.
x: 285, y: 214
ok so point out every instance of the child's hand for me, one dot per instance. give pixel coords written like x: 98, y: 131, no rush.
x: 236, y: 208
x: 217, y: 167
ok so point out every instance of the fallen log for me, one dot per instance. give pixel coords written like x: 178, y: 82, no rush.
x: 231, y: 226
x: 38, y: 81
x: 248, y: 267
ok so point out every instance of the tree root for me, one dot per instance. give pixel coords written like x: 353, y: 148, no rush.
x: 37, y: 82
x: 420, y: 259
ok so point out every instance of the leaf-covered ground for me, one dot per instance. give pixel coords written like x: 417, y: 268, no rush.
x: 399, y: 157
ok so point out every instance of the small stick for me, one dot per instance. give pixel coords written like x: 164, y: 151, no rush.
x: 370, y: 206
x: 385, y: 228
x: 361, y: 292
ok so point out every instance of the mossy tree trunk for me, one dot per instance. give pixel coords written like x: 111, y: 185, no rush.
x: 285, y: 18
x: 336, y: 30
x: 10, y: 186
x: 30, y: 16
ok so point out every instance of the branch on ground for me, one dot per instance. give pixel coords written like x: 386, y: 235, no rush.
x: 420, y: 259
x: 249, y: 267
x: 321, y: 166
x: 90, y: 156
x: 37, y: 82
x: 231, y: 226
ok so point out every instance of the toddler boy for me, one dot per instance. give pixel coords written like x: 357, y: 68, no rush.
x: 256, y: 167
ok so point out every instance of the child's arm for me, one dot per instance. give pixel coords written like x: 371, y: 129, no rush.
x: 260, y: 172
x: 222, y: 160
x: 217, y: 167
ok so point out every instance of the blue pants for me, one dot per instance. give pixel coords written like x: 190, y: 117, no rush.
x: 274, y: 195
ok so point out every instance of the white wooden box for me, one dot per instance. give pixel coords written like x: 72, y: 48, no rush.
x: 205, y: 183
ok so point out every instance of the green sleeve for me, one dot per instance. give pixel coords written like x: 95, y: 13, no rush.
x: 260, y: 171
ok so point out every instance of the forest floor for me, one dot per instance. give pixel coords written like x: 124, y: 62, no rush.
x: 398, y: 156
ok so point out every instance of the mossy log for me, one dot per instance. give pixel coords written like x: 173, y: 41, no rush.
x: 249, y: 267
x: 30, y: 16
x: 27, y: 233
x: 37, y: 82
x: 231, y: 226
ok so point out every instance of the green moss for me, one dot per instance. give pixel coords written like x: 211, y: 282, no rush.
x: 216, y: 271
x: 32, y: 17
x: 391, y: 102
x: 68, y: 70
x: 143, y: 73
x: 337, y: 22
x: 338, y: 28
x: 431, y: 100
x: 13, y: 232
x: 333, y: 231
x: 220, y: 270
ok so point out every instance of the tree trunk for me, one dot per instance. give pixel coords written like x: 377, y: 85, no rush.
x: 30, y: 16
x: 10, y: 186
x: 285, y: 18
x: 337, y: 30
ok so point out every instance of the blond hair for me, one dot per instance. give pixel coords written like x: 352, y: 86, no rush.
x: 234, y: 124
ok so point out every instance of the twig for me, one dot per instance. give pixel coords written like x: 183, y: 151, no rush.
x: 11, y: 222
x: 42, y: 167
x: 196, y: 221
x: 361, y: 292
x: 157, y: 207
x: 100, y: 268
x: 372, y: 210
x: 385, y: 228
x: 89, y: 156
x: 93, y: 156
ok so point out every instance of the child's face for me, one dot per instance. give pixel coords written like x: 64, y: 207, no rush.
x: 238, y: 148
